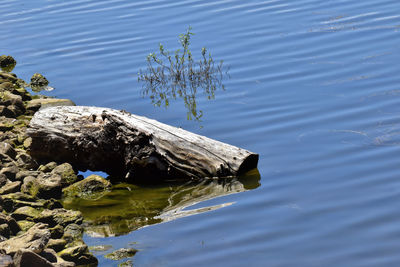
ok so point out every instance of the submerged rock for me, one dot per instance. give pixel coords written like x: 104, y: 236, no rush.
x: 80, y: 255
x: 121, y: 254
x: 39, y: 83
x: 92, y: 187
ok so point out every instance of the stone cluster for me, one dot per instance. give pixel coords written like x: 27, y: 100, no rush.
x: 35, y: 229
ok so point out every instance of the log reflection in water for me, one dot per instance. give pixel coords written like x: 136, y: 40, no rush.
x: 130, y: 207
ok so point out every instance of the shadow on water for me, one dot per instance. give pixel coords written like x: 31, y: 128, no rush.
x: 129, y: 207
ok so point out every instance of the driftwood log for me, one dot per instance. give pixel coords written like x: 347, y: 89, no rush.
x: 135, y: 147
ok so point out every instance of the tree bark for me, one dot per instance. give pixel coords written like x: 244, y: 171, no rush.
x: 135, y: 147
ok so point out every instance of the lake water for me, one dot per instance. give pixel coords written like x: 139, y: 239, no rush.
x: 314, y: 88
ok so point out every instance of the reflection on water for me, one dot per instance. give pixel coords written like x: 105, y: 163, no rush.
x: 129, y: 207
x: 175, y: 74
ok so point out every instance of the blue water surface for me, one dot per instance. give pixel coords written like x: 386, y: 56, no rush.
x: 314, y: 88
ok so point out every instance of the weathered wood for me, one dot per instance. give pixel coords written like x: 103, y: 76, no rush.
x: 136, y: 147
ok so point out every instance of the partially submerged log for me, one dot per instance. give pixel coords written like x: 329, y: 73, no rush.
x: 122, y: 144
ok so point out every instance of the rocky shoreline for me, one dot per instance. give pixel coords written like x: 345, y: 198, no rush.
x: 35, y: 229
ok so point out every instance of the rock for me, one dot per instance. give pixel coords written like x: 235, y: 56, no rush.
x: 10, y: 187
x: 38, y: 82
x: 57, y: 231
x: 49, y: 254
x: 35, y: 239
x: 25, y: 225
x: 60, y: 216
x: 29, y: 185
x: 26, y: 96
x: 7, y: 86
x: 25, y: 161
x: 78, y: 254
x: 7, y: 63
x: 22, y: 174
x: 3, y: 179
x: 92, y: 187
x: 57, y: 244
x: 9, y: 99
x: 67, y: 173
x: 8, y: 76
x: 15, y: 200
x: 128, y: 263
x: 48, y: 167
x: 12, y: 224
x: 73, y: 234
x: 6, y: 125
x: 6, y: 148
x: 27, y: 258
x: 6, y: 112
x: 10, y: 171
x: 24, y: 213
x: 27, y: 142
x: 6, y: 261
x: 5, y: 230
x: 15, y: 111
x: 45, y: 186
x: 121, y: 254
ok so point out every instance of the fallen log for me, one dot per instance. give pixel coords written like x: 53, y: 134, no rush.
x: 135, y: 147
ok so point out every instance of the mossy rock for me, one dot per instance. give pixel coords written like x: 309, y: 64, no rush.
x: 91, y: 188
x: 7, y: 63
x: 67, y: 173
x: 25, y: 213
x: 25, y: 225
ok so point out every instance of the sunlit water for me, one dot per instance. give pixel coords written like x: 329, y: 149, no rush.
x: 314, y: 89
